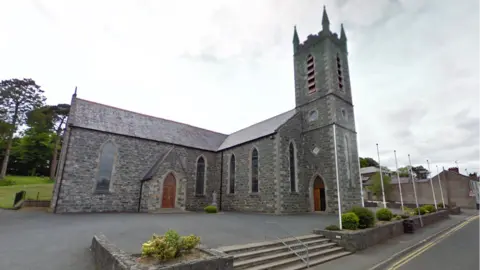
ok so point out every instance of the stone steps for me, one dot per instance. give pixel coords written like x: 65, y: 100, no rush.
x: 275, y: 255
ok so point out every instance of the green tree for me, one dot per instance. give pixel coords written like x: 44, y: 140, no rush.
x: 368, y: 162
x: 403, y: 171
x: 376, y: 187
x: 420, y: 171
x: 34, y: 151
x: 17, y: 97
x: 51, y: 118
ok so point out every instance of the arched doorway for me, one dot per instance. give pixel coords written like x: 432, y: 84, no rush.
x: 319, y: 201
x: 169, y: 191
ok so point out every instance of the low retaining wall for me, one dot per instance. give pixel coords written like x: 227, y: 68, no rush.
x: 362, y: 239
x: 35, y: 203
x: 108, y: 256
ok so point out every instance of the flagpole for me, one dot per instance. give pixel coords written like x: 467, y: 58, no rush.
x: 431, y: 184
x: 336, y: 174
x: 398, y: 179
x: 381, y: 178
x: 361, y: 183
x: 440, y: 184
x: 415, y: 191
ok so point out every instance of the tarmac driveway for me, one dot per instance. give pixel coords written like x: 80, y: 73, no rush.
x: 44, y: 241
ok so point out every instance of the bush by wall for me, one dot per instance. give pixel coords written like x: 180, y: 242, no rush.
x: 350, y: 221
x: 384, y: 214
x: 332, y: 228
x: 211, y: 209
x: 366, y: 218
x: 169, y: 246
x: 429, y: 208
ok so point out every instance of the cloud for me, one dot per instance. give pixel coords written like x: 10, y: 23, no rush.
x: 224, y: 65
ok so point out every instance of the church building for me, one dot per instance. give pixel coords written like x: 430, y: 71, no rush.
x: 114, y: 160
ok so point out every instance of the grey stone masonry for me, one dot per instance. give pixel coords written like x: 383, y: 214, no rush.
x: 134, y: 158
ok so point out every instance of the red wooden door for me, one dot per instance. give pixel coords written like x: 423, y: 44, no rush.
x: 169, y: 190
x: 316, y: 199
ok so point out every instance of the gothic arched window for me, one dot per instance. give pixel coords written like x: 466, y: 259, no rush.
x: 232, y: 175
x: 105, y: 167
x: 293, y: 178
x: 311, y: 74
x: 200, y: 180
x: 254, y: 170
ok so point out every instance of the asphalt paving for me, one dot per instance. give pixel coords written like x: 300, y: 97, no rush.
x: 45, y: 241
x: 460, y: 250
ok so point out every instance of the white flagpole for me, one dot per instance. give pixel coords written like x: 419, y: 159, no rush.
x: 361, y: 182
x: 398, y: 179
x: 431, y: 184
x: 381, y: 179
x: 415, y: 191
x: 336, y: 172
x: 440, y: 184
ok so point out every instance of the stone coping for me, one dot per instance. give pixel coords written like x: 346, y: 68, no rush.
x: 361, y: 239
x: 108, y: 256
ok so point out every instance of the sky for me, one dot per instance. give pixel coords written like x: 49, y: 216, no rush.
x: 225, y: 65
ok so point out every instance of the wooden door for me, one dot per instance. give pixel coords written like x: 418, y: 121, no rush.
x: 169, y: 191
x: 316, y: 199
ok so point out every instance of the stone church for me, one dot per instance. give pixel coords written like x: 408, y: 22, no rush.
x: 114, y: 160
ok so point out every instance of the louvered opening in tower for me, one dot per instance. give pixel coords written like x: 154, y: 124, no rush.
x: 311, y: 74
x: 339, y: 71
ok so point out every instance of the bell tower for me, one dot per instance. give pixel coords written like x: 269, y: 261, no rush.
x: 323, y: 96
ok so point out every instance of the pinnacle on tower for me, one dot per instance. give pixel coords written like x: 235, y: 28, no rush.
x: 296, y: 40
x: 325, y: 20
x: 343, y: 36
x: 75, y: 93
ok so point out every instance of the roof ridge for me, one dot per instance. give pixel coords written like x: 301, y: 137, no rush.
x: 151, y: 116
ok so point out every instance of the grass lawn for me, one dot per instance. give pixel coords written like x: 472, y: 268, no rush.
x: 32, y: 185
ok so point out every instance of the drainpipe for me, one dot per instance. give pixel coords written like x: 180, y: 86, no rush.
x: 140, y: 197
x: 221, y: 181
x: 63, y: 171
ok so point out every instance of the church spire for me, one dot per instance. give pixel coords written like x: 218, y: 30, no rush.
x: 296, y: 40
x: 343, y: 36
x: 75, y: 93
x: 325, y: 20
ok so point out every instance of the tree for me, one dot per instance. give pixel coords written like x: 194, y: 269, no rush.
x: 368, y: 162
x: 17, y: 97
x: 421, y: 172
x: 34, y: 151
x: 52, y: 118
x: 376, y: 187
x: 403, y: 171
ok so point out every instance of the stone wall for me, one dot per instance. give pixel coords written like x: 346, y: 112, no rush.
x: 107, y: 256
x: 454, y: 188
x: 362, y: 239
x: 243, y: 199
x: 134, y: 158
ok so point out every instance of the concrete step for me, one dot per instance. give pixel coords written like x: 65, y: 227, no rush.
x: 299, y: 264
x: 294, y: 263
x: 266, y: 262
x: 282, y: 248
x: 236, y: 249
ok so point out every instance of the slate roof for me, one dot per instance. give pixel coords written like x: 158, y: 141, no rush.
x: 370, y: 169
x: 101, y: 117
x: 258, y: 130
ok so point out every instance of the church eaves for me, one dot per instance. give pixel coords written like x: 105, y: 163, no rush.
x: 100, y: 117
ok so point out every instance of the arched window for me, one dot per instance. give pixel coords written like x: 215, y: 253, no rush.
x: 254, y: 175
x: 105, y: 167
x: 347, y: 160
x: 311, y: 74
x: 293, y: 182
x: 200, y: 182
x: 232, y: 175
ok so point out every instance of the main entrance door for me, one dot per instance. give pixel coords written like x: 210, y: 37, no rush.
x: 169, y: 191
x: 319, y: 201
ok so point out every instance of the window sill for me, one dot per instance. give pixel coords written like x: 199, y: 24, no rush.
x: 200, y: 195
x: 231, y: 194
x: 254, y: 194
x: 294, y: 193
x: 102, y: 192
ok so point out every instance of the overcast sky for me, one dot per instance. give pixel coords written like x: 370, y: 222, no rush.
x: 224, y: 65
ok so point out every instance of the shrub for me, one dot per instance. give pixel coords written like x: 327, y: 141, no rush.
x: 6, y: 182
x: 397, y: 217
x: 440, y: 205
x: 350, y: 221
x: 421, y: 210
x: 211, y: 209
x: 404, y: 216
x: 366, y: 218
x: 384, y: 214
x: 332, y: 228
x: 169, y: 246
x: 430, y: 208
